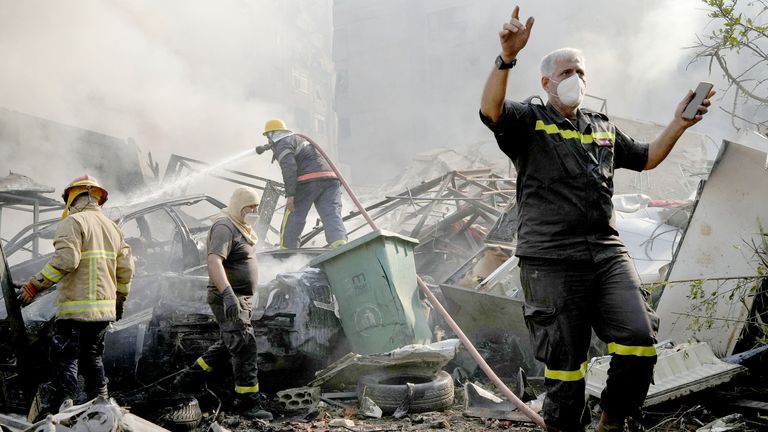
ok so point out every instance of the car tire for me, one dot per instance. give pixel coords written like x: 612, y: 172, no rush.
x: 185, y: 416
x: 389, y: 390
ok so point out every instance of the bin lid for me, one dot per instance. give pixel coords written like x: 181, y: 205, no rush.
x: 356, y: 243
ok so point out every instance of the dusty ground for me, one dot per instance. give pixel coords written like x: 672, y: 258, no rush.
x: 746, y: 396
x: 451, y: 420
x: 684, y: 414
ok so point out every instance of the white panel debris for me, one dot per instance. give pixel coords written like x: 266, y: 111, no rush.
x: 680, y: 370
x: 715, y: 253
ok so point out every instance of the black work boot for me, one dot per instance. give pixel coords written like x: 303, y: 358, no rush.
x: 610, y: 423
x: 190, y: 381
x: 93, y: 393
x: 251, y: 406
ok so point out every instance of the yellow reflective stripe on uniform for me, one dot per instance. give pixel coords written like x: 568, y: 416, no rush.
x: 79, y: 306
x: 93, y: 273
x: 93, y: 255
x: 637, y: 351
x: 200, y: 362
x: 337, y: 243
x: 251, y: 389
x: 96, y: 253
x: 562, y: 375
x: 123, y: 288
x: 604, y: 135
x: 552, y: 129
x: 87, y: 302
x: 50, y: 273
x: 282, y: 229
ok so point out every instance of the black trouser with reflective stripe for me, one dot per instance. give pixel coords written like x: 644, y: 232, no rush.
x: 77, y: 347
x: 237, y: 343
x: 564, y: 300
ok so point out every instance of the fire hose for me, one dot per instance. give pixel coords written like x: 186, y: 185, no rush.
x: 525, y: 409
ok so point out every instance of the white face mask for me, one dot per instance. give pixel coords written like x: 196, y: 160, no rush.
x: 251, y: 218
x: 571, y: 90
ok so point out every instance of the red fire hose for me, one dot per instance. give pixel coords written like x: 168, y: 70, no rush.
x: 525, y: 409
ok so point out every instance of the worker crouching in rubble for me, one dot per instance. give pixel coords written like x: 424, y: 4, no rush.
x: 233, y: 278
x: 93, y: 267
x: 308, y: 180
x: 574, y: 269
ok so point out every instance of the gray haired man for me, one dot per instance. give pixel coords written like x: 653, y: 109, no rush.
x: 575, y: 270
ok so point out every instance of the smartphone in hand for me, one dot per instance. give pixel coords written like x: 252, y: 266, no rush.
x: 701, y: 93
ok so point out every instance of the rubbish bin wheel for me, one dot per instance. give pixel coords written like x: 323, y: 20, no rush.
x: 389, y: 389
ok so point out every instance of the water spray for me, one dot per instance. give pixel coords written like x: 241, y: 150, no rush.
x: 183, y: 182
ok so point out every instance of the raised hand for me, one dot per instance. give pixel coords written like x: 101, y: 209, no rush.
x: 514, y: 35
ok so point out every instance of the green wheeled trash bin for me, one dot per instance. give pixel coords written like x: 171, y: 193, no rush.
x: 374, y: 281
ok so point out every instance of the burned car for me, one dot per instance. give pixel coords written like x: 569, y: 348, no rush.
x: 167, y: 322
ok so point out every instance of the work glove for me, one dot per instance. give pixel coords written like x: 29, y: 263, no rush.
x: 231, y: 304
x: 27, y: 293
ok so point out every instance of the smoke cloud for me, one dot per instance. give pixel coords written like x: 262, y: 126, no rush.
x: 177, y: 77
x: 189, y: 77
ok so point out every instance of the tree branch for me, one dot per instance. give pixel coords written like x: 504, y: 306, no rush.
x: 727, y: 72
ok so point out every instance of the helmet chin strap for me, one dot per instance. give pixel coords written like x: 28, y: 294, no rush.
x: 77, y: 206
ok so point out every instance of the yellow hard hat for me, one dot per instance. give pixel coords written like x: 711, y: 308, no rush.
x: 274, y: 125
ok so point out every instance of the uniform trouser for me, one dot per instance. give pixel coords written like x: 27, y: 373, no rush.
x: 236, y: 349
x: 326, y: 196
x: 78, y: 346
x: 564, y: 300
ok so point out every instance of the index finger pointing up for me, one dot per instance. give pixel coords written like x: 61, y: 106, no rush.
x: 516, y: 13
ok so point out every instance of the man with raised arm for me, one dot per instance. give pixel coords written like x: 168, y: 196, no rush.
x: 575, y: 271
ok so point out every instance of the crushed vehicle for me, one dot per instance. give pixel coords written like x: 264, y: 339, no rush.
x: 167, y: 323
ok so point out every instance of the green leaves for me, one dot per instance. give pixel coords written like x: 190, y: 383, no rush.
x: 736, y: 40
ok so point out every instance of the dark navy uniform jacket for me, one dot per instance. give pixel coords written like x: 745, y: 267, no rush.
x: 564, y: 178
x: 300, y: 163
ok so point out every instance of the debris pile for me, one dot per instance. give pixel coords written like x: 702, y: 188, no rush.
x: 345, y: 339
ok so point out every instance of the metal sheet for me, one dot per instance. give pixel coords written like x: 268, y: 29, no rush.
x: 484, y: 315
x: 680, y: 370
x: 714, y: 249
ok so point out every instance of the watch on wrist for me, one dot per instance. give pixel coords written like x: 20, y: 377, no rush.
x: 502, y: 66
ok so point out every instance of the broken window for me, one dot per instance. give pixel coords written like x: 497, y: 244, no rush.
x: 300, y: 81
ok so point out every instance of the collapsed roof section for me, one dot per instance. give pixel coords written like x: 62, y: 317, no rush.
x: 56, y: 153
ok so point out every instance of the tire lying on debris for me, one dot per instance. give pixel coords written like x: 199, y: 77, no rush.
x: 183, y: 416
x: 390, y: 389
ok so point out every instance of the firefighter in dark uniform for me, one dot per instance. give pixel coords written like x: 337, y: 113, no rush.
x: 575, y: 271
x: 308, y: 180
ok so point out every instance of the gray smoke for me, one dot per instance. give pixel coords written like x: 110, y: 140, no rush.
x: 187, y: 77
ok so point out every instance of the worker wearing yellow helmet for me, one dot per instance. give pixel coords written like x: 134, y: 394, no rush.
x: 308, y: 180
x: 92, y: 267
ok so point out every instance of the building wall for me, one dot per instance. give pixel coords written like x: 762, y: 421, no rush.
x: 400, y: 83
x: 299, y: 52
